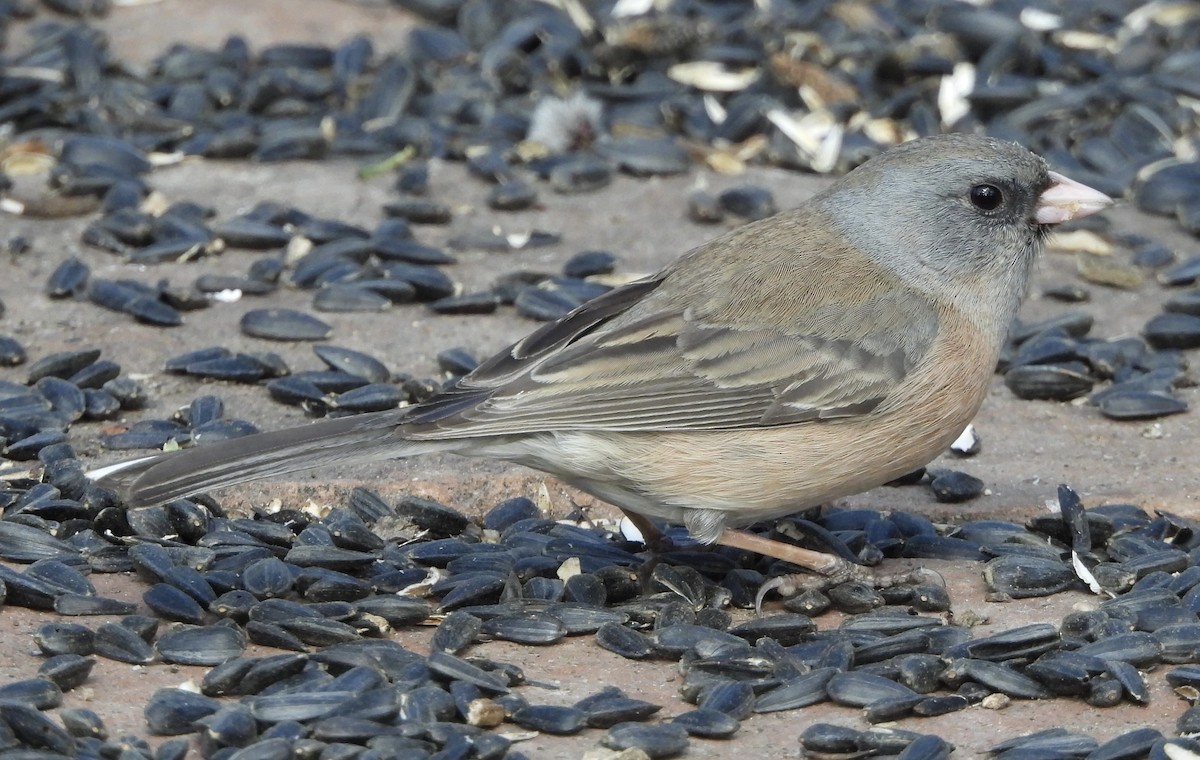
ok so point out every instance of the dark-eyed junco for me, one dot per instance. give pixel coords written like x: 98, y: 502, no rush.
x: 799, y: 359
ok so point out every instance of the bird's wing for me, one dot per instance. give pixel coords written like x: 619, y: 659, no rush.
x: 604, y: 367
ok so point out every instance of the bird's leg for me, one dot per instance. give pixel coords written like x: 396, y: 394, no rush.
x: 830, y: 567
x: 652, y: 537
x: 656, y: 543
x: 828, y: 570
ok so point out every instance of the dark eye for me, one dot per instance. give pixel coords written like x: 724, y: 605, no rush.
x: 986, y: 197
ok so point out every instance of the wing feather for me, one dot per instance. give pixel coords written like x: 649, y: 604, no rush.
x: 674, y: 370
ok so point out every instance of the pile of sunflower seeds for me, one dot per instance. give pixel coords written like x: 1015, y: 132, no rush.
x: 328, y: 590
x: 556, y: 97
x: 1103, y: 90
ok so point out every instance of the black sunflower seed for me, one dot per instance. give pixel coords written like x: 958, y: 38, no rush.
x: 284, y: 324
x: 662, y: 740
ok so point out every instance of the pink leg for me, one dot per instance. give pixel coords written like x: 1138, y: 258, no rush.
x: 827, y: 570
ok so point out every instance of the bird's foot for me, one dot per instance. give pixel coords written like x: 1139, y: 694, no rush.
x: 826, y: 570
x: 844, y: 572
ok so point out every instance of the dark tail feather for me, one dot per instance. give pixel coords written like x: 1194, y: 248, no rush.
x: 163, y: 477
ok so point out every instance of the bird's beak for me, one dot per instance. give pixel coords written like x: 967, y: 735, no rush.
x: 1067, y: 199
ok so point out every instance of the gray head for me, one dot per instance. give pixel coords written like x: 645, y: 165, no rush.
x: 960, y: 216
x: 956, y: 207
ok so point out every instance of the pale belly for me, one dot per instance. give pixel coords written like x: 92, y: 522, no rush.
x: 750, y: 477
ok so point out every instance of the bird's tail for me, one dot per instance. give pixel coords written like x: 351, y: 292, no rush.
x: 163, y: 477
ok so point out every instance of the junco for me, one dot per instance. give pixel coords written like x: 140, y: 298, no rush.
x: 792, y: 361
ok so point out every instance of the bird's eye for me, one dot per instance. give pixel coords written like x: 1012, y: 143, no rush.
x: 986, y: 197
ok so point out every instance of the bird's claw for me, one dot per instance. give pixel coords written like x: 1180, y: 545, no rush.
x: 843, y: 572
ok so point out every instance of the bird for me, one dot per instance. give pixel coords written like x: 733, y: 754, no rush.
x: 785, y: 364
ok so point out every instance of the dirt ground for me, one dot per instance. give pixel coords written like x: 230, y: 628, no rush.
x: 1029, y: 447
